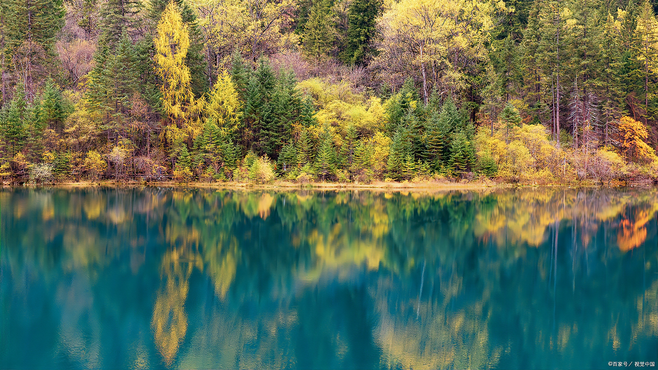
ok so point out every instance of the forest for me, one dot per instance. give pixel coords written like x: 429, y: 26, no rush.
x: 350, y: 91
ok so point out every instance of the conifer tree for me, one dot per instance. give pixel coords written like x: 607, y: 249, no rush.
x: 171, y: 44
x: 646, y: 46
x: 194, y: 58
x: 399, y: 150
x: 29, y: 31
x: 348, y: 147
x: 319, y: 31
x: 437, y: 132
x: 362, y: 30
x: 326, y: 159
x: 304, y: 149
x: 53, y: 109
x: 288, y: 158
x: 117, y: 18
x: 14, y: 128
x: 113, y: 83
x: 224, y: 105
x: 460, y: 152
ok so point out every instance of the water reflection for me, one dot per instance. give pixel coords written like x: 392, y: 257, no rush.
x: 171, y: 278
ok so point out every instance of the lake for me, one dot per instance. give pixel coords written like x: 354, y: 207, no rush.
x: 198, y: 279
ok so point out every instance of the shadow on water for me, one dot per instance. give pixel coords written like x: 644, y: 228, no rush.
x: 171, y: 278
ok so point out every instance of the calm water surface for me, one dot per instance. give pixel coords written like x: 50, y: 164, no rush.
x: 191, y: 279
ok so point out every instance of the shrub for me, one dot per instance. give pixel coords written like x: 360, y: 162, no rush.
x: 261, y: 170
x: 41, y: 173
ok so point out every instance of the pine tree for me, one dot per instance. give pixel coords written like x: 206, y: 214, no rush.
x: 646, y: 47
x: 117, y: 18
x: 611, y: 62
x: 399, y: 150
x: 112, y: 85
x: 35, y: 123
x: 326, y: 159
x: 319, y: 31
x: 304, y: 149
x: 288, y: 158
x: 460, y: 153
x: 259, y: 116
x: 53, y: 108
x: 240, y: 75
x: 286, y: 107
x: 402, y: 104
x: 510, y: 117
x: 13, y: 128
x: 347, y: 149
x: 437, y: 133
x: 29, y: 33
x: 362, y: 30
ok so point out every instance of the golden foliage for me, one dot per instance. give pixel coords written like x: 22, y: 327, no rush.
x: 634, y: 134
x: 171, y: 45
x: 224, y: 105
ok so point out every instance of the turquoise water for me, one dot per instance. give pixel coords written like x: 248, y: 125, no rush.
x: 199, y: 279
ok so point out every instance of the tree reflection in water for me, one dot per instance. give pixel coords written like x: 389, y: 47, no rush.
x: 202, y: 279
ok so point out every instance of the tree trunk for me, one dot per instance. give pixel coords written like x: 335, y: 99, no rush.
x: 422, y: 67
x: 646, y: 84
x: 557, y: 84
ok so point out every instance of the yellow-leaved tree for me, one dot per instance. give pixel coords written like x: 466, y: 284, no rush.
x: 224, y: 104
x: 633, y: 133
x: 251, y: 27
x: 171, y: 44
x: 436, y: 39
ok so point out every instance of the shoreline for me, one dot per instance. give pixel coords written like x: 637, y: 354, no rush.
x: 422, y: 186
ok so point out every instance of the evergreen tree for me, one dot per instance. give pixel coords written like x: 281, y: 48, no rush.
x: 646, y: 47
x: 362, y: 30
x: 29, y: 38
x: 14, y: 128
x: 53, y: 109
x: 112, y: 85
x: 437, y: 132
x: 347, y: 149
x: 288, y: 158
x: 612, y: 88
x: 400, y: 149
x: 460, y: 152
x: 286, y: 109
x: 240, y: 75
x: 35, y: 126
x: 304, y: 149
x: 117, y: 18
x: 319, y: 31
x: 326, y: 159
x: 510, y: 117
x: 402, y: 104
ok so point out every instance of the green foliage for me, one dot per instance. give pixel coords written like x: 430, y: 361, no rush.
x: 325, y: 162
x: 287, y: 159
x: 362, y: 31
x: 319, y: 30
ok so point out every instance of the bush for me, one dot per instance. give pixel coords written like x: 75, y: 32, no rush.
x: 41, y: 173
x: 261, y: 171
x: 182, y: 174
x: 606, y: 165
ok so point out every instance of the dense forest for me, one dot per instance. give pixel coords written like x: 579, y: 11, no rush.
x: 544, y: 91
